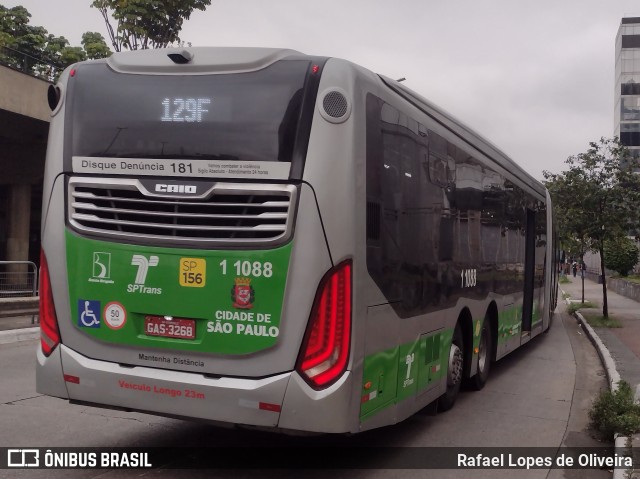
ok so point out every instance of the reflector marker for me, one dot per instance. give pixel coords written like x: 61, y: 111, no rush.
x: 369, y: 397
x: 71, y: 379
x: 264, y: 406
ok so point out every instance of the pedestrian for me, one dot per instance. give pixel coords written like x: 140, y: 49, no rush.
x: 574, y: 266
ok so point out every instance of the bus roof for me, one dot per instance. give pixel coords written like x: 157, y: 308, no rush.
x: 197, y: 60
x: 463, y: 131
x: 207, y: 60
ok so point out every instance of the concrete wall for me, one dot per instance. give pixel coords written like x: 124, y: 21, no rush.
x: 23, y: 94
x: 620, y: 286
x: 624, y: 288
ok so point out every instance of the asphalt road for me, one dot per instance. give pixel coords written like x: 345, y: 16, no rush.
x: 536, y: 397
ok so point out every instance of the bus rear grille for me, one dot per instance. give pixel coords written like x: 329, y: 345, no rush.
x: 227, y: 213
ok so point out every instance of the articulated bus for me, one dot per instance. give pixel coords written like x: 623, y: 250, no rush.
x: 264, y: 238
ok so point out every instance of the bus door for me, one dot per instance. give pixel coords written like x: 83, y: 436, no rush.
x: 529, y: 271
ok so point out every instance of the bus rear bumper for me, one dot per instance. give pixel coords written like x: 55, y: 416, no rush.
x: 283, y: 402
x: 174, y: 393
x: 49, y: 376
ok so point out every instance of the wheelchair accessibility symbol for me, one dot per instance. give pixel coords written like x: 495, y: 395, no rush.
x: 88, y: 313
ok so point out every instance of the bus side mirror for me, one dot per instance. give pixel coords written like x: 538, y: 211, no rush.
x: 53, y: 97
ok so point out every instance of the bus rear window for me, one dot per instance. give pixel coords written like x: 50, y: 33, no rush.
x: 239, y: 116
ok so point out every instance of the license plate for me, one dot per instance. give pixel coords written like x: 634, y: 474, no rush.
x: 170, y: 328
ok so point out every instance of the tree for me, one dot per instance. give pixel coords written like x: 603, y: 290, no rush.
x: 597, y: 197
x: 95, y: 46
x: 573, y: 226
x: 24, y: 43
x: 59, y: 53
x: 144, y: 24
x: 32, y: 49
x: 621, y: 254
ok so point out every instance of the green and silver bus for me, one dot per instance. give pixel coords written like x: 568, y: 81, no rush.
x: 264, y: 238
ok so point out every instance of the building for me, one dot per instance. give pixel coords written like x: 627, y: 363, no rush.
x: 24, y: 126
x: 627, y: 85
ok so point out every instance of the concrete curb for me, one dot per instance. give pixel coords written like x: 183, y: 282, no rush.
x: 613, y: 378
x: 14, y: 335
x: 11, y: 304
x: 605, y: 356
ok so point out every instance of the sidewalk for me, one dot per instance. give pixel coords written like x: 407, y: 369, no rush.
x: 18, y: 306
x: 18, y: 322
x: 623, y: 343
x: 19, y: 328
x: 16, y: 314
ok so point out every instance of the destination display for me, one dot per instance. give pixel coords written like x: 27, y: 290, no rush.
x: 233, y: 118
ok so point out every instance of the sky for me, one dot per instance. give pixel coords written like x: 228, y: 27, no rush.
x: 534, y: 78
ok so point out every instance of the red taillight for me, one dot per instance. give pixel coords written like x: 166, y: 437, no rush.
x: 49, y: 333
x: 325, y: 350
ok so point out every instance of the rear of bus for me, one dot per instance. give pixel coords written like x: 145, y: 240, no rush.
x: 186, y: 267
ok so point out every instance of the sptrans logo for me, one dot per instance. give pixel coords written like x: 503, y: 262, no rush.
x: 143, y: 263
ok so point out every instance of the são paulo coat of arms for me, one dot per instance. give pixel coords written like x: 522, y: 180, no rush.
x: 243, y: 294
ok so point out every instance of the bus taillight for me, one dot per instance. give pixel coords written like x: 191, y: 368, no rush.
x: 49, y: 333
x: 325, y: 350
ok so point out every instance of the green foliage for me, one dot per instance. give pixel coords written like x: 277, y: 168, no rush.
x: 95, y: 45
x: 33, y: 50
x: 615, y: 413
x: 17, y: 34
x: 563, y: 279
x: 573, y: 307
x: 71, y: 55
x: 144, y: 24
x: 595, y: 199
x: 621, y: 254
x: 598, y: 321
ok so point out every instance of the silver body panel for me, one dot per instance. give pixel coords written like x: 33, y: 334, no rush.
x: 334, y: 168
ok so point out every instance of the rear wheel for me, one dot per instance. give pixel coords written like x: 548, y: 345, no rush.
x: 485, y: 348
x: 551, y: 314
x: 455, y: 370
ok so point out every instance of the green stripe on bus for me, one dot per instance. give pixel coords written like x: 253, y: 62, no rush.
x: 395, y: 374
x: 234, y: 297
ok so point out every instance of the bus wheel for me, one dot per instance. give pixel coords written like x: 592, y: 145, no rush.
x: 485, y: 347
x: 551, y: 314
x: 455, y: 371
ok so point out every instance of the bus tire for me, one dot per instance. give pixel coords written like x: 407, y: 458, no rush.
x: 485, y: 349
x: 455, y: 371
x: 551, y: 314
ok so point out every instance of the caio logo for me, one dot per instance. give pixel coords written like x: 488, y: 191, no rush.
x: 188, y: 189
